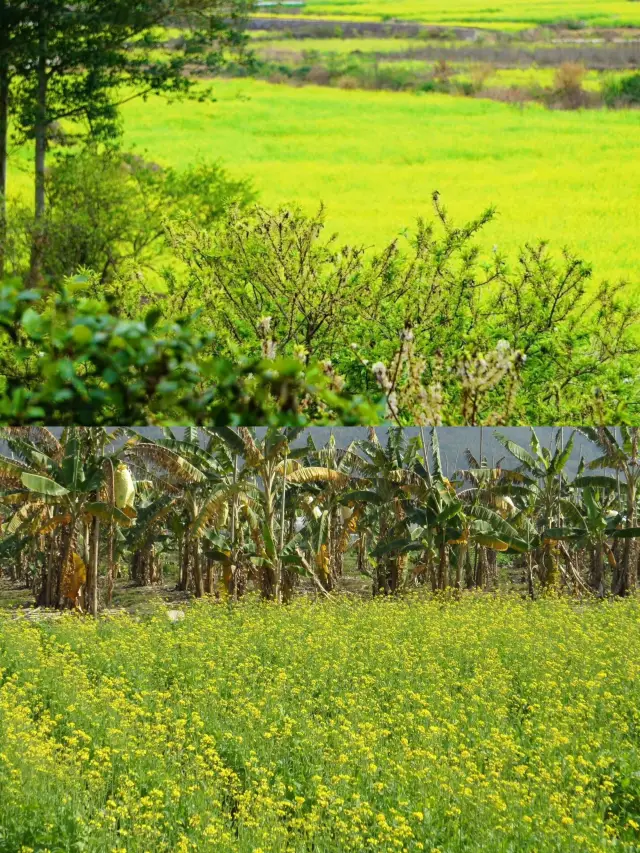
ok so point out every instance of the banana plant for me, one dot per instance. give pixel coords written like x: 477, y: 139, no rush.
x: 330, y: 521
x: 482, y: 485
x: 621, y: 454
x: 593, y: 525
x: 439, y: 525
x: 62, y: 490
x: 272, y: 466
x: 195, y: 486
x: 384, y: 473
x: 538, y: 486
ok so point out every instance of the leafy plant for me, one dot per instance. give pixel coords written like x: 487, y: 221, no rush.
x: 106, y: 211
x: 68, y: 358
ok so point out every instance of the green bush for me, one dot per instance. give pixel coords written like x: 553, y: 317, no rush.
x: 106, y: 211
x: 622, y: 91
x: 66, y: 358
x: 328, y: 300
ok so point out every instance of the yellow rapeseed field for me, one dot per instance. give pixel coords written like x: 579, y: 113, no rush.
x: 375, y: 158
x: 512, y: 12
x: 492, y: 724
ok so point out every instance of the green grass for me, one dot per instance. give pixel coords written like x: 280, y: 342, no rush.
x: 523, y: 12
x: 489, y: 725
x: 375, y: 158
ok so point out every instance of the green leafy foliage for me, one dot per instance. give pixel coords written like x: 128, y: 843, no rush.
x: 67, y: 358
x: 106, y: 211
x: 450, y: 323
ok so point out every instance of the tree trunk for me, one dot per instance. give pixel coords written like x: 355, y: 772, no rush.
x: 40, y: 136
x: 184, y: 563
x: 50, y: 570
x: 530, y: 582
x: 268, y: 579
x: 477, y: 566
x: 362, y: 553
x: 460, y: 564
x: 597, y: 570
x: 625, y: 581
x: 283, y: 504
x: 442, y: 568
x: 211, y: 576
x: 93, y: 567
x: 492, y: 563
x: 66, y: 543
x: 110, y: 568
x: 335, y: 553
x: 4, y: 136
x: 197, y: 570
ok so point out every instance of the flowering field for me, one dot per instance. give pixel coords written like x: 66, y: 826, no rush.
x: 569, y: 177
x: 514, y: 12
x: 492, y: 724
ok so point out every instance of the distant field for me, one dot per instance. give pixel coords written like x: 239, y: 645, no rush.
x: 337, y: 45
x: 593, y: 12
x: 405, y: 55
x: 522, y: 78
x: 375, y: 158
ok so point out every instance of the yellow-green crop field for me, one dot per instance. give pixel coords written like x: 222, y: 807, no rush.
x: 338, y: 46
x: 489, y: 725
x: 521, y: 12
x: 374, y: 159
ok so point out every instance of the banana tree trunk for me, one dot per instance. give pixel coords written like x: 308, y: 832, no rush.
x: 460, y: 564
x: 362, y: 552
x: 442, y: 567
x: 110, y: 568
x: 335, y: 552
x: 210, y: 576
x: 280, y: 569
x: 626, y: 580
x: 597, y: 570
x: 268, y: 572
x: 50, y: 568
x: 197, y: 570
x: 479, y: 568
x: 65, y: 554
x: 93, y: 567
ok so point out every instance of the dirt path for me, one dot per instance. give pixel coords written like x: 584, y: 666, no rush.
x: 301, y: 27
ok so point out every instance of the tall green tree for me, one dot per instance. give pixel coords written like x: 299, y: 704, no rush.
x: 14, y: 35
x: 84, y: 59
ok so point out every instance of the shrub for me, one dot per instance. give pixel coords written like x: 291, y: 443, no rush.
x: 348, y: 81
x: 466, y: 87
x: 325, y: 298
x: 66, y: 358
x: 106, y: 211
x: 318, y: 75
x: 622, y: 91
x: 567, y: 86
x: 481, y: 74
x: 442, y: 72
x: 278, y: 77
